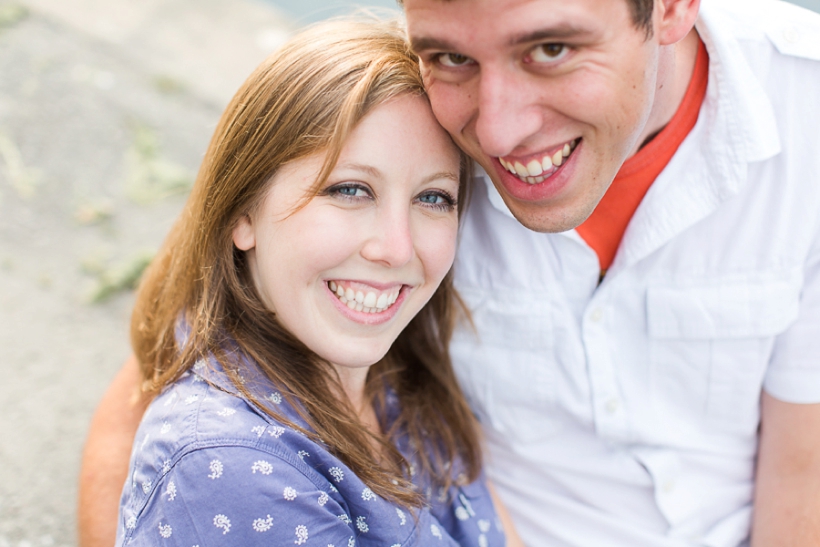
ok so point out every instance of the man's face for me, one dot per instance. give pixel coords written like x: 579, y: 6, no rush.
x: 549, y: 96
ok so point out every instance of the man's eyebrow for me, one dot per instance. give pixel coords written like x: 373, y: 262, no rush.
x: 427, y: 43
x: 557, y: 32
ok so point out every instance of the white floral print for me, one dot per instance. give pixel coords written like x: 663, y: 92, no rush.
x: 191, y: 399
x: 303, y: 454
x: 435, y: 531
x: 275, y: 398
x: 262, y: 466
x: 276, y: 431
x: 259, y: 429
x: 484, y: 525
x: 263, y: 525
x: 223, y: 522
x: 323, y: 498
x: 216, y: 468
x: 402, y: 516
x: 289, y: 493
x: 361, y: 524
x: 165, y: 530
x: 337, y: 474
x: 225, y: 412
x: 146, y: 486
x: 367, y: 494
x: 301, y: 534
x: 171, y: 491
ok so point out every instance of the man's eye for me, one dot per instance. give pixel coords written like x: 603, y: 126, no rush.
x: 453, y: 59
x: 548, y: 53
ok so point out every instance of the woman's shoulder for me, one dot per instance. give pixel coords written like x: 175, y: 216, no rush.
x: 193, y: 413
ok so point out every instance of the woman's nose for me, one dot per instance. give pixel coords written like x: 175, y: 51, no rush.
x: 390, y: 241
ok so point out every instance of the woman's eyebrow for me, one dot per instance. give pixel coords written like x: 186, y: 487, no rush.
x: 361, y: 167
x: 441, y: 175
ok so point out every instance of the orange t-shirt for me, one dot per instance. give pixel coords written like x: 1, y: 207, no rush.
x: 606, y: 225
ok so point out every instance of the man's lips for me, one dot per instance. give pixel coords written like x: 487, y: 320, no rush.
x: 542, y: 187
x: 535, y: 169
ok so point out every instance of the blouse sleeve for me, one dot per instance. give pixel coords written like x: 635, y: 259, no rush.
x: 238, y: 495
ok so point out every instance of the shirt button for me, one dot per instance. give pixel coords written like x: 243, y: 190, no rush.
x: 612, y: 406
x: 791, y: 35
x: 596, y: 315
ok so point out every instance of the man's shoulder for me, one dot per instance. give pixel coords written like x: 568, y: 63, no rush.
x: 792, y: 30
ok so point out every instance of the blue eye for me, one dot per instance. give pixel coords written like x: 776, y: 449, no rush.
x: 349, y: 190
x: 437, y: 200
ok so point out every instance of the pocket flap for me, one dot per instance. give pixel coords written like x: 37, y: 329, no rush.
x: 724, y: 310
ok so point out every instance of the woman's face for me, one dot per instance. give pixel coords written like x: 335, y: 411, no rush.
x: 347, y: 272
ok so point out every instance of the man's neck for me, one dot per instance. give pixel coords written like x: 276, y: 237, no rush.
x: 676, y: 66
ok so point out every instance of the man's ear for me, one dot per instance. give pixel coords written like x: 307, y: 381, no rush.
x: 674, y: 19
x: 244, y: 236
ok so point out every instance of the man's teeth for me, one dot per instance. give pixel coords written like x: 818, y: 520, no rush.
x: 368, y: 302
x: 538, y: 171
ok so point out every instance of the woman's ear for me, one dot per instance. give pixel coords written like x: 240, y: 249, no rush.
x: 244, y: 236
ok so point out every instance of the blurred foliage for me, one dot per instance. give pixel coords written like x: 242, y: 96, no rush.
x: 116, y: 278
x: 23, y: 179
x: 11, y: 14
x: 150, y: 177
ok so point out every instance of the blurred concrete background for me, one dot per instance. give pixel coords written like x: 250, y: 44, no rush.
x: 106, y: 107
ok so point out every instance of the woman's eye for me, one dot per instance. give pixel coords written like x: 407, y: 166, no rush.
x: 438, y: 200
x: 453, y: 60
x: 548, y: 53
x: 349, y: 191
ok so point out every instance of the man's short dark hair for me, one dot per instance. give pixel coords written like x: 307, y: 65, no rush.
x: 641, y: 13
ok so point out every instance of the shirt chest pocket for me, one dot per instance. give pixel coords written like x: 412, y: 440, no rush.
x: 710, y: 346
x: 504, y: 358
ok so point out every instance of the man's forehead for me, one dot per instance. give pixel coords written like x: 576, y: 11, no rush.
x: 439, y: 24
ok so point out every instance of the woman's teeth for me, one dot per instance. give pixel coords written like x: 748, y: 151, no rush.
x: 368, y: 302
x: 536, y: 170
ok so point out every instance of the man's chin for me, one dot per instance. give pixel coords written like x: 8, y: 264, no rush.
x: 546, y: 218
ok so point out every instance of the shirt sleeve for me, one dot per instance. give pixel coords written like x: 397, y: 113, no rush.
x: 237, y: 495
x: 468, y: 515
x: 794, y: 370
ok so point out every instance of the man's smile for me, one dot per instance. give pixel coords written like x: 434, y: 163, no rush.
x: 538, y: 168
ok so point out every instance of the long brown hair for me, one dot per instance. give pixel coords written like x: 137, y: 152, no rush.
x: 304, y: 99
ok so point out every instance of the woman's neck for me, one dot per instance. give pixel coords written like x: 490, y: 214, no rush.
x: 353, y: 382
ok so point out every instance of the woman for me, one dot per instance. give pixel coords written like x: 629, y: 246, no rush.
x: 296, y: 321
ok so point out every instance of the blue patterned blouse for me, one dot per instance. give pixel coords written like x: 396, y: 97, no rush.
x: 209, y: 468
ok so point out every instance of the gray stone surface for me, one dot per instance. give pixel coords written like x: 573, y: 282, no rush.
x: 105, y: 111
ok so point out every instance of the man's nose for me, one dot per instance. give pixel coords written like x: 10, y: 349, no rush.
x: 390, y: 241
x: 508, y: 115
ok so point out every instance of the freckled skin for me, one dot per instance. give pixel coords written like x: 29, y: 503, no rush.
x: 606, y: 88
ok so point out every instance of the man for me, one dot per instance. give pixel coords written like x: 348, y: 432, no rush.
x: 623, y: 369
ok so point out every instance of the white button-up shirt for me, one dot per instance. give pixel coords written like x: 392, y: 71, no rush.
x: 626, y: 414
